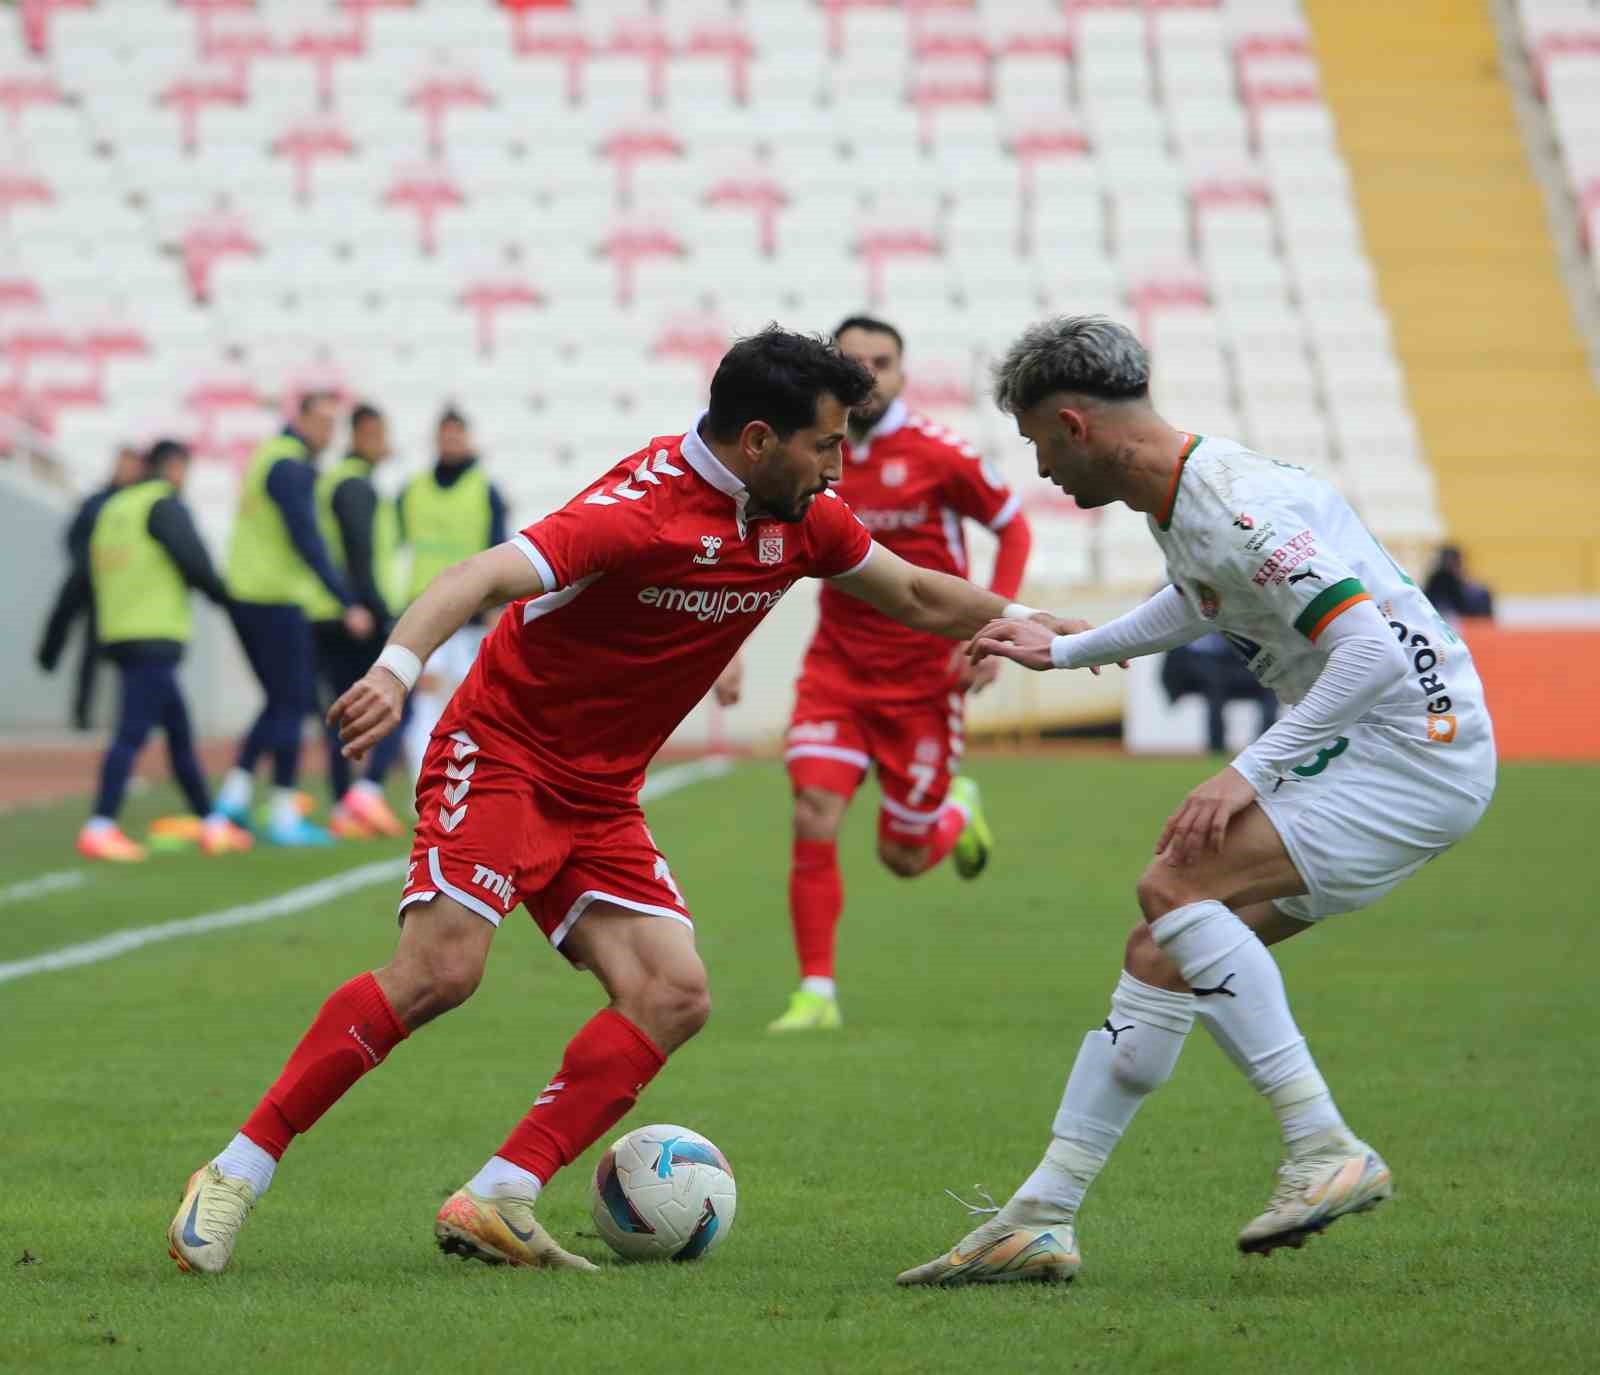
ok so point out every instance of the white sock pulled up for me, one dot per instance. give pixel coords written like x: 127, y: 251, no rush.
x: 1118, y: 1066
x: 236, y: 791
x: 1240, y: 997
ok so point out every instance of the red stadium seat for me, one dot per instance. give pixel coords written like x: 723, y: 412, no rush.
x: 696, y: 338
x: 18, y: 92
x: 486, y: 299
x: 729, y: 42
x: 208, y: 241
x: 19, y: 186
x: 437, y: 95
x: 556, y: 41
x: 879, y: 246
x: 189, y: 95
x: 324, y: 49
x: 755, y: 191
x: 629, y: 245
x: 626, y: 148
x: 36, y: 14
x: 307, y: 142
x: 428, y: 191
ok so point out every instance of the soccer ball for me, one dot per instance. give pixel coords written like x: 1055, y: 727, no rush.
x: 663, y: 1193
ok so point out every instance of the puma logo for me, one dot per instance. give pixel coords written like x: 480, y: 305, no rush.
x: 1303, y: 574
x: 1221, y: 988
x: 1116, y: 1031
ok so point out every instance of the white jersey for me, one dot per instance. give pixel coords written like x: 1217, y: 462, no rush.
x: 1272, y: 555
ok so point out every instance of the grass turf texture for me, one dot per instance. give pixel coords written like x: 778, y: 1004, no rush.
x: 1456, y: 1023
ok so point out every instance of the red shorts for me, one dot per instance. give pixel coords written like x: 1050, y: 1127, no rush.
x: 916, y: 746
x: 491, y: 835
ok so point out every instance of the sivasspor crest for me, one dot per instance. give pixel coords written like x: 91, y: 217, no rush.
x: 769, y: 549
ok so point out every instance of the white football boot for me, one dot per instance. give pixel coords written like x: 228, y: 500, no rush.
x: 1336, y: 1176
x: 1017, y: 1243
x: 202, y: 1234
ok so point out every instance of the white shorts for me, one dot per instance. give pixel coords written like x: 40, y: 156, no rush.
x: 453, y: 660
x: 1359, y: 819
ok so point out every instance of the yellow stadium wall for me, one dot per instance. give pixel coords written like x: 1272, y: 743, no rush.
x: 1467, y: 268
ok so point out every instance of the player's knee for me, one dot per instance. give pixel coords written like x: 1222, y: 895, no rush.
x: 817, y: 813
x: 679, y: 1005
x: 904, y: 861
x: 1162, y: 888
x: 1148, y: 963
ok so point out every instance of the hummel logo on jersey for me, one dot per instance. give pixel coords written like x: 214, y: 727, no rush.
x: 1303, y: 574
x: 1116, y: 1031
x: 713, y: 604
x: 1221, y: 988
x: 498, y: 884
x: 1243, y: 522
x: 710, y: 546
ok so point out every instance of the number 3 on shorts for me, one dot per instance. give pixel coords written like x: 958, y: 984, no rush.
x: 1323, y: 759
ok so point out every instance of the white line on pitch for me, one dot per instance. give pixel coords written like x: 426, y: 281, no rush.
x: 44, y: 883
x: 115, y: 943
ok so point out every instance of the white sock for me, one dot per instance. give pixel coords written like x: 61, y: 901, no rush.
x: 500, y: 1178
x: 245, y: 1160
x: 236, y: 791
x: 95, y: 824
x: 1240, y: 997
x: 1117, y: 1068
x: 214, y: 818
x: 816, y: 983
x: 285, y: 808
x: 367, y: 788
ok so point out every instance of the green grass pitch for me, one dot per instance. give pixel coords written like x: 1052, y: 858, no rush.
x: 1457, y: 1022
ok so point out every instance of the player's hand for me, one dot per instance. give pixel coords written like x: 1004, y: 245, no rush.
x: 729, y: 687
x: 1023, y: 642
x: 1201, y: 823
x: 368, y: 712
x: 972, y: 678
x: 359, y: 622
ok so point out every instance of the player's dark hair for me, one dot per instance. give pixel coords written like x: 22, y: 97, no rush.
x: 312, y: 399
x: 778, y: 376
x: 451, y: 416
x: 876, y: 325
x: 364, y: 412
x: 162, y: 452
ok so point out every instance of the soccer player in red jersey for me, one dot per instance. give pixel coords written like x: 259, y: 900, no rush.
x: 626, y: 605
x: 873, y: 692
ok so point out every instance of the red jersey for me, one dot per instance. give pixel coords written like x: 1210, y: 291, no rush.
x: 910, y: 484
x: 656, y: 579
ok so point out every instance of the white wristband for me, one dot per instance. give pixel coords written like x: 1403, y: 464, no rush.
x: 1061, y: 651
x: 401, y: 662
x: 1016, y: 611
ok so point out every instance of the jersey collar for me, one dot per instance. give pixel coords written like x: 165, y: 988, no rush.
x: 1164, y: 515
x: 893, y: 419
x: 697, y: 454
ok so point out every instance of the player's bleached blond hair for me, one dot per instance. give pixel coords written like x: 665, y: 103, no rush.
x: 1087, y: 354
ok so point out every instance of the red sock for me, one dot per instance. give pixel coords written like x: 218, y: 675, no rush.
x: 352, y: 1033
x: 946, y: 831
x: 605, y: 1068
x: 816, y: 898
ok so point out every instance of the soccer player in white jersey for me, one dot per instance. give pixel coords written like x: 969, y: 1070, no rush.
x: 1384, y: 760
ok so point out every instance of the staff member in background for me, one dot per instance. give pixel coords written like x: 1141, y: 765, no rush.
x: 126, y: 468
x: 447, y: 515
x: 141, y: 556
x: 278, y: 567
x: 360, y: 529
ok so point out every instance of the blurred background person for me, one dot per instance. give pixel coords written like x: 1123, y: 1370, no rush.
x: 278, y: 571
x: 447, y: 514
x: 137, y: 564
x: 127, y: 467
x: 1212, y: 668
x: 1453, y: 592
x: 360, y: 529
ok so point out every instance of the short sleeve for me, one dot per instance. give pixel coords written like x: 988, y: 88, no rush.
x: 1292, y: 570
x: 836, y: 540
x: 590, y: 535
x: 973, y: 486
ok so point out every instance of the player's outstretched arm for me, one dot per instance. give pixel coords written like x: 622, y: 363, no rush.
x: 372, y: 708
x: 919, y: 597
x: 1162, y: 623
